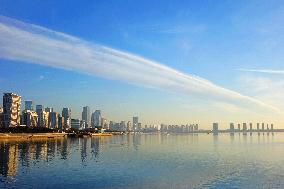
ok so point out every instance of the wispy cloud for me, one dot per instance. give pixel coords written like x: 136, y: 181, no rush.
x: 267, y: 71
x: 34, y: 44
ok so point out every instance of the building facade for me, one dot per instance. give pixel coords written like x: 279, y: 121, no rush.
x: 29, y: 118
x: 29, y: 105
x: 66, y: 113
x: 86, y: 116
x: 11, y: 110
x: 96, y: 119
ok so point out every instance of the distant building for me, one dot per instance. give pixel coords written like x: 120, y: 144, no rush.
x: 244, y: 127
x: 135, y: 123
x: 232, y: 128
x: 239, y: 127
x: 75, y: 123
x: 86, y: 116
x: 271, y: 128
x: 66, y: 113
x: 11, y: 110
x: 104, y: 123
x: 250, y: 126
x: 42, y: 116
x: 96, y: 119
x: 29, y: 118
x: 1, y: 116
x: 122, y: 126
x: 215, y: 128
x: 29, y: 105
x: 196, y: 127
x: 257, y: 126
x: 61, y: 122
x: 53, y: 120
x: 49, y: 109
x: 262, y: 126
x: 128, y: 126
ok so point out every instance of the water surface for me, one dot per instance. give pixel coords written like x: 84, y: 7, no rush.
x: 145, y: 161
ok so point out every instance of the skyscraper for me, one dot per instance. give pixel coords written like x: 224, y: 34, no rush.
x: 86, y: 115
x: 215, y: 128
x: 244, y: 127
x: 96, y: 119
x: 66, y: 113
x: 11, y: 110
x: 49, y: 109
x: 232, y: 128
x: 42, y: 116
x: 29, y: 105
x: 29, y: 118
x: 135, y: 123
x: 53, y: 120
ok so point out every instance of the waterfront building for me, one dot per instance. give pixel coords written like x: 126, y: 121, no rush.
x: 42, y: 116
x: 135, y: 123
x: 215, y: 128
x: 11, y: 110
x: 86, y: 116
x: 122, y: 126
x: 53, y: 120
x: 271, y: 128
x: 83, y: 124
x: 244, y: 127
x: 96, y: 119
x: 128, y: 126
x: 29, y: 118
x: 66, y: 113
x: 29, y: 105
x: 239, y: 127
x: 75, y: 123
x: 60, y: 122
x: 196, y: 127
x: 232, y: 128
x: 250, y: 126
x: 257, y: 126
x: 48, y: 109
x: 104, y: 123
x: 262, y: 126
x: 139, y: 126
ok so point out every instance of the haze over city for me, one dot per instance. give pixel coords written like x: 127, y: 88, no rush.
x: 184, y: 63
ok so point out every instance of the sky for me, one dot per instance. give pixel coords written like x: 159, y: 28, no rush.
x: 172, y: 62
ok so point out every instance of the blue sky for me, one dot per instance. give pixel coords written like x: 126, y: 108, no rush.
x: 209, y: 39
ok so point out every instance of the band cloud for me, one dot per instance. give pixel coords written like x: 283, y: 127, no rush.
x: 30, y: 43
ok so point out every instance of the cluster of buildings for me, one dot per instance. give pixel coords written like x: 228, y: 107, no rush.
x: 12, y: 116
x: 245, y: 127
x: 188, y: 128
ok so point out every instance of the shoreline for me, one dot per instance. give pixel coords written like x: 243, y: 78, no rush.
x: 31, y: 135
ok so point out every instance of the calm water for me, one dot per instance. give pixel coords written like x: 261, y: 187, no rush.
x: 145, y: 161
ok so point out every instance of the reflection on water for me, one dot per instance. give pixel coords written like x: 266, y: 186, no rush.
x: 237, y: 160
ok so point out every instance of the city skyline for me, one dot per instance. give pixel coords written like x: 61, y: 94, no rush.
x: 183, y: 67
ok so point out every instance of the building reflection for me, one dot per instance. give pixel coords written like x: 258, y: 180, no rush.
x: 8, y: 159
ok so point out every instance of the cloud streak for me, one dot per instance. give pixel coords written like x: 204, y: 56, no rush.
x: 267, y: 71
x: 30, y: 43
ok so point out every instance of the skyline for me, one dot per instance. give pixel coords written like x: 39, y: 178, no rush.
x: 184, y: 88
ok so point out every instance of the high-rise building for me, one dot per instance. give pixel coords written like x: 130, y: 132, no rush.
x: 135, y: 123
x: 29, y: 105
x: 271, y: 128
x: 29, y: 118
x: 262, y: 126
x: 96, y: 119
x: 257, y: 126
x: 232, y: 128
x: 49, y: 109
x: 53, y: 120
x: 11, y: 110
x: 60, y: 122
x: 86, y: 115
x: 215, y: 128
x: 42, y: 116
x: 250, y: 126
x: 104, y: 123
x: 196, y: 127
x: 239, y: 127
x: 66, y: 113
x: 244, y: 127
x: 75, y: 124
x: 128, y: 126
